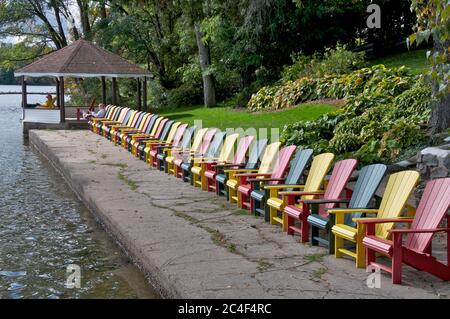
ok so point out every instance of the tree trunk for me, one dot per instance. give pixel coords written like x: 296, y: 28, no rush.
x: 84, y: 17
x: 103, y: 12
x: 440, y: 118
x: 209, y: 89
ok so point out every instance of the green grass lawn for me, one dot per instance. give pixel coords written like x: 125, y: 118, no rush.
x: 225, y: 117
x: 415, y: 60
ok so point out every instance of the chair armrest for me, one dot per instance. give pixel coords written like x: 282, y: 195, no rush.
x: 255, y: 180
x: 243, y: 170
x: 301, y: 193
x: 252, y: 175
x: 230, y: 165
x: 351, y: 210
x: 326, y: 201
x: 283, y: 186
x: 368, y: 220
x: 418, y: 231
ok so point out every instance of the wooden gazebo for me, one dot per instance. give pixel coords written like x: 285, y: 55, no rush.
x: 83, y: 59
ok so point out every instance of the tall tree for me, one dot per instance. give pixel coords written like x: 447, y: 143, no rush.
x: 434, y: 23
x: 199, y: 10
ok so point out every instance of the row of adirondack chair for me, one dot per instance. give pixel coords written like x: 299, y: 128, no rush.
x: 289, y: 187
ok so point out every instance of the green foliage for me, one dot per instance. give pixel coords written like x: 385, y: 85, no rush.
x: 385, y: 118
x: 361, y: 89
x: 433, y: 19
x: 335, y: 61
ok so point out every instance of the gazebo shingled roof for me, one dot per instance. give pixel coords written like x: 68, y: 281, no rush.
x: 82, y: 59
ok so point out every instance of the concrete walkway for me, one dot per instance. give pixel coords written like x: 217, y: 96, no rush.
x: 192, y: 244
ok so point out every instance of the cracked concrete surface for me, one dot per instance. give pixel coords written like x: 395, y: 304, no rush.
x: 193, y: 244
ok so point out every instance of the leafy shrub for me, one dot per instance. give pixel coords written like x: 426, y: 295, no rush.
x: 403, y: 133
x: 376, y: 125
x: 334, y: 61
x: 361, y: 89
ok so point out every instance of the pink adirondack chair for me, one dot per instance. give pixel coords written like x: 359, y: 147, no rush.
x: 176, y: 142
x: 340, y: 176
x: 207, y: 139
x: 416, y: 250
x: 239, y: 158
x: 247, y: 181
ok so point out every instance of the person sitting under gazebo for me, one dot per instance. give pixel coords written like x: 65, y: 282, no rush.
x: 49, y: 104
x: 100, y: 114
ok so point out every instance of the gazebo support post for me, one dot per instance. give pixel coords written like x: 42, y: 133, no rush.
x: 62, y: 107
x: 139, y: 95
x: 58, y: 93
x: 103, y: 90
x: 114, y: 91
x: 144, y: 93
x: 24, y: 96
x: 24, y: 92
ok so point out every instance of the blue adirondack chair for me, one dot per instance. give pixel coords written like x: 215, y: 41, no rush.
x: 213, y: 152
x: 256, y: 151
x: 147, y: 131
x: 296, y: 171
x: 186, y: 141
x: 369, y: 180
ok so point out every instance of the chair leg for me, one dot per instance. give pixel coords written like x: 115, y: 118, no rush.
x: 266, y: 213
x: 288, y: 221
x: 397, y: 260
x: 230, y: 194
x: 203, y: 180
x: 331, y: 239
x: 218, y: 188
x: 305, y: 225
x: 360, y: 250
x: 252, y: 203
x: 314, y: 233
x: 255, y: 205
x: 194, y: 179
x: 371, y: 257
x: 273, y: 214
x: 338, y: 244
x: 239, y: 195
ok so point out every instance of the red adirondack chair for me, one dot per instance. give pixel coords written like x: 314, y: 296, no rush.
x: 416, y: 250
x: 239, y: 158
x: 247, y: 181
x: 338, y: 181
x: 176, y: 143
x: 188, y: 154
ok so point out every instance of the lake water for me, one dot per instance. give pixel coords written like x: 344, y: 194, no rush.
x: 44, y: 227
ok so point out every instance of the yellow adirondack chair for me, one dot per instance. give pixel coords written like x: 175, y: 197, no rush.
x: 267, y: 162
x: 195, y: 148
x: 94, y: 122
x: 104, y: 123
x: 141, y: 126
x: 398, y: 189
x: 115, y: 127
x: 320, y: 165
x: 152, y: 134
x: 170, y: 137
x: 225, y: 156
